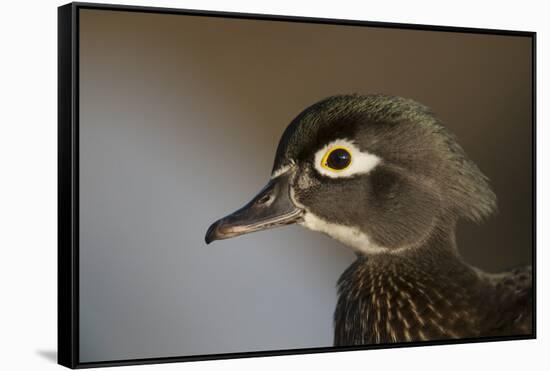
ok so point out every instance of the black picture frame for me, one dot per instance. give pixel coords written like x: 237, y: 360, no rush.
x: 68, y: 179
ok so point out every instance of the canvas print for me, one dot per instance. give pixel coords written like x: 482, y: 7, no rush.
x: 386, y: 172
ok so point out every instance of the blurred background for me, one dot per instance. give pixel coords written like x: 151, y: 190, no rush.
x: 180, y: 117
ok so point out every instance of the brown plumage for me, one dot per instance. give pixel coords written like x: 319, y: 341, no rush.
x: 416, y: 296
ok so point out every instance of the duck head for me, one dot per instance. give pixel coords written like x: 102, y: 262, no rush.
x: 377, y: 173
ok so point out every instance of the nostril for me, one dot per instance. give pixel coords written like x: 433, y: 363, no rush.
x: 264, y: 199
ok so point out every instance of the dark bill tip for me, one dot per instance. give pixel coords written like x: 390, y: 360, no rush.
x: 212, y: 233
x: 220, y: 231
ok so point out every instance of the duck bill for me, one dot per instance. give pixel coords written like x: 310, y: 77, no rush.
x: 272, y: 207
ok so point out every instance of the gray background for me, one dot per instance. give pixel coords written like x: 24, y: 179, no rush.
x: 179, y: 120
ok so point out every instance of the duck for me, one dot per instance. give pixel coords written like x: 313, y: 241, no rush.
x: 384, y: 177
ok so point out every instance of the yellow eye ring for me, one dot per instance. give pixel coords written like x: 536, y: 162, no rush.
x: 337, y: 158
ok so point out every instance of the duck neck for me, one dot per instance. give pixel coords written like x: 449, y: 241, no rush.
x: 417, y: 294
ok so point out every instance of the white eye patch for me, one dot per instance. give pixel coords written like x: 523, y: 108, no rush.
x: 359, y: 162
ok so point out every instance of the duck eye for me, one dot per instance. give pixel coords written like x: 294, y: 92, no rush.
x: 336, y: 159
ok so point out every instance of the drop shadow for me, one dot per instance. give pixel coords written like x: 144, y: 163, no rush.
x: 50, y: 355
